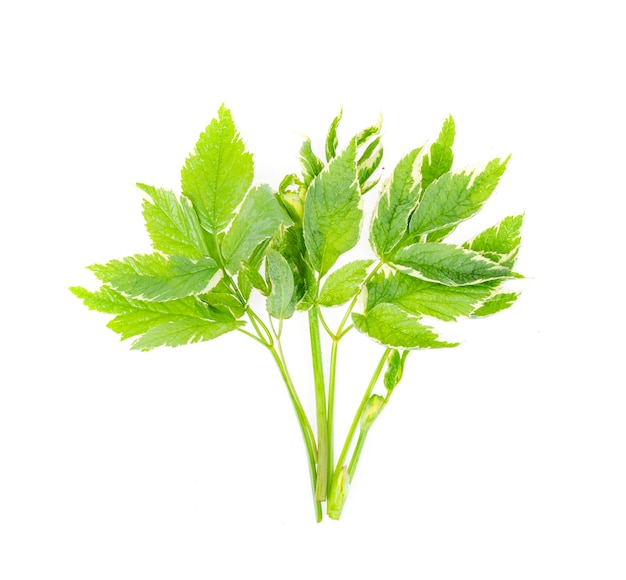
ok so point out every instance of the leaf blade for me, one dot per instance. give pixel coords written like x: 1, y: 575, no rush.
x: 157, y: 277
x: 343, y: 284
x: 257, y: 220
x: 281, y: 302
x: 217, y: 175
x: 332, y: 212
x: 448, y: 264
x: 398, y: 199
x: 172, y: 224
x: 389, y: 325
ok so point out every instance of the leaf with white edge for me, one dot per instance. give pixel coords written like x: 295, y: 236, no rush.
x: 331, y: 139
x: 420, y: 297
x: 281, y: 301
x: 312, y: 165
x: 254, y: 278
x: 222, y: 295
x: 367, y: 164
x: 455, y: 197
x: 344, y: 283
x: 218, y: 174
x: 332, y: 212
x: 160, y: 278
x: 499, y: 301
x: 440, y: 157
x: 501, y: 242
x: 395, y: 369
x: 258, y: 218
x: 135, y: 317
x: 398, y: 199
x: 172, y: 224
x: 449, y: 264
x: 391, y: 326
x: 180, y: 332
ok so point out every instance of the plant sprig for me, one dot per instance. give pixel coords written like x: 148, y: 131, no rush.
x: 225, y: 238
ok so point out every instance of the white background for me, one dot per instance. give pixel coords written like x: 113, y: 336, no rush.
x: 503, y: 458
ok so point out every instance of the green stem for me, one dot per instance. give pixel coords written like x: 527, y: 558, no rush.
x: 320, y: 405
x: 331, y: 405
x: 359, y: 412
x: 305, y: 426
x: 356, y: 454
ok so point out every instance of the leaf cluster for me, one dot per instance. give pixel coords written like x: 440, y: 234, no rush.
x: 224, y: 238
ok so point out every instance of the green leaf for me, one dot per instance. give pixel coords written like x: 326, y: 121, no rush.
x: 218, y: 174
x: 312, y: 165
x: 172, y: 224
x: 344, y: 283
x: 398, y: 199
x: 440, y: 157
x: 222, y: 295
x: 449, y: 264
x: 367, y: 164
x: 391, y: 326
x: 135, y: 317
x: 420, y: 297
x: 455, y: 197
x: 332, y: 212
x: 179, y: 332
x: 331, y: 138
x: 395, y: 369
x: 280, y: 303
x: 159, y: 278
x: 501, y: 242
x: 254, y: 278
x: 257, y: 220
x: 496, y: 303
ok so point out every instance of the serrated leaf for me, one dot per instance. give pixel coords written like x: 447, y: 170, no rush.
x: 281, y: 300
x: 312, y: 165
x: 344, y: 283
x: 157, y: 277
x: 180, y: 332
x: 496, y: 303
x: 218, y: 174
x: 397, y: 201
x: 455, y: 197
x: 440, y: 157
x: 173, y: 224
x: 258, y: 218
x: 331, y: 138
x: 391, y: 326
x: 135, y: 317
x: 501, y: 242
x: 332, y: 212
x: 420, y: 297
x: 222, y: 295
x: 448, y: 264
